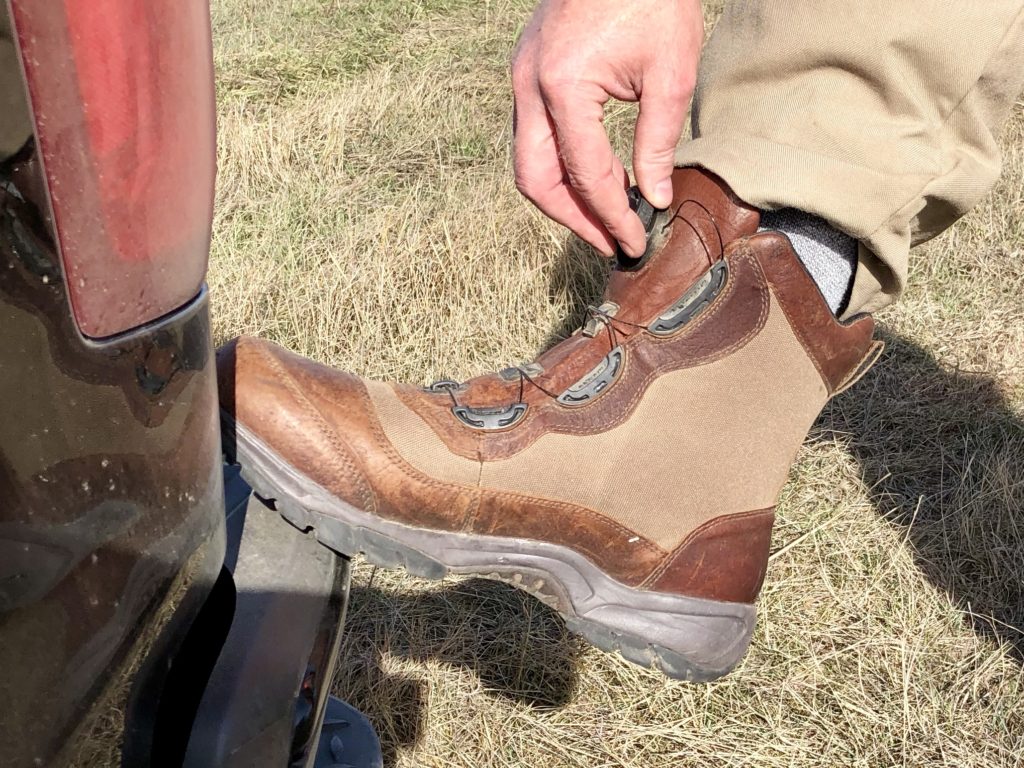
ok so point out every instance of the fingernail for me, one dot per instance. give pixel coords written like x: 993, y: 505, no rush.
x: 663, y: 194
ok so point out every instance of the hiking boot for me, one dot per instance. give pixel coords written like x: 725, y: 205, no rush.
x: 627, y: 477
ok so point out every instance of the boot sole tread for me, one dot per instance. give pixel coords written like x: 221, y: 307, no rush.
x: 686, y: 638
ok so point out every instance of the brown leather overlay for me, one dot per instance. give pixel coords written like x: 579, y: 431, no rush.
x: 321, y: 422
x: 705, y: 216
x: 870, y: 358
x: 724, y: 559
x: 837, y: 348
x: 616, y: 550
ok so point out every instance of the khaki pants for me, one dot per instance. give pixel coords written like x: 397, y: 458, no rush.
x: 881, y: 116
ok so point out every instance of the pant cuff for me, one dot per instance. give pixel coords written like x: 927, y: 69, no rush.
x: 855, y: 199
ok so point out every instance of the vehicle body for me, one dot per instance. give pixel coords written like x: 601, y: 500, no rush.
x: 143, y: 620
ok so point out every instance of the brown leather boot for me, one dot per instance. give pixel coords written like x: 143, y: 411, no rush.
x: 627, y: 477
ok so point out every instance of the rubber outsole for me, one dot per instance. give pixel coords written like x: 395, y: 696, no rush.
x: 686, y: 638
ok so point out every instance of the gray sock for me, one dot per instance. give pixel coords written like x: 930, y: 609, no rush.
x: 829, y: 255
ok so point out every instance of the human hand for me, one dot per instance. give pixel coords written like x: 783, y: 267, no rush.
x: 572, y: 57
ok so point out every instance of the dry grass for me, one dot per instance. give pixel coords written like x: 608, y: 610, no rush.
x: 366, y: 217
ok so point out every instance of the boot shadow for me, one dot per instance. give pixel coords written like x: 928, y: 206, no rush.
x: 942, y: 453
x: 578, y: 277
x: 516, y: 646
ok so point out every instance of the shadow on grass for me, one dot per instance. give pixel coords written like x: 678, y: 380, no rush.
x: 476, y: 625
x: 580, y: 275
x: 942, y: 455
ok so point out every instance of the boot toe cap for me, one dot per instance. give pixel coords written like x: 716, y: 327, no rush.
x: 276, y: 397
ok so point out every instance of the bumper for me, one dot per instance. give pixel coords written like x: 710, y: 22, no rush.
x: 267, y: 695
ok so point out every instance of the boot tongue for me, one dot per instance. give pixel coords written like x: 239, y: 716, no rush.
x: 683, y: 242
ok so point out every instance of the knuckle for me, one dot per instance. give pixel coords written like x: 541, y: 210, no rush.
x: 527, y: 187
x: 616, y: 224
x: 681, y: 86
x: 588, y: 182
x: 582, y: 179
x: 556, y: 83
x: 675, y: 90
x: 655, y: 158
x: 678, y: 91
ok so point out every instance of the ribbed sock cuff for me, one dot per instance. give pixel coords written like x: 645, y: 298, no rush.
x: 828, y: 254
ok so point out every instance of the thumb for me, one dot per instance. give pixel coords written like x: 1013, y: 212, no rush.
x: 658, y: 128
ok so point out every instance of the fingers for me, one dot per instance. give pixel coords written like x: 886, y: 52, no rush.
x: 572, y: 57
x: 593, y: 170
x: 541, y: 177
x: 658, y: 128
